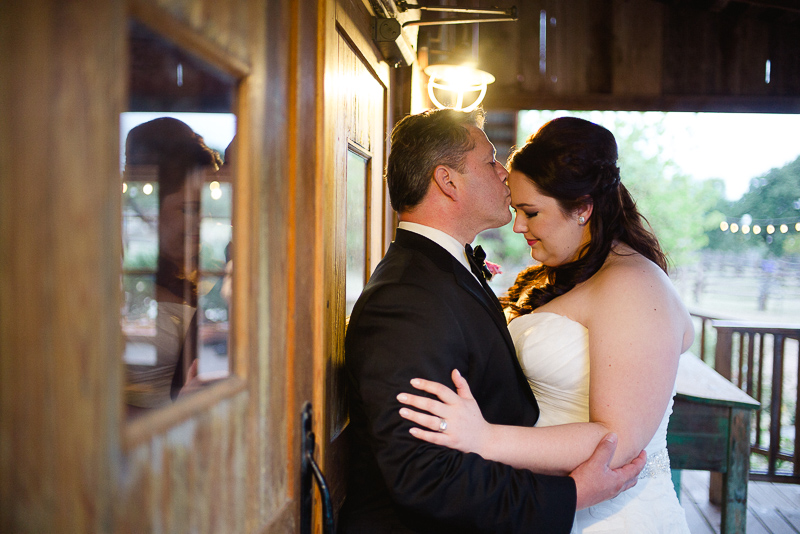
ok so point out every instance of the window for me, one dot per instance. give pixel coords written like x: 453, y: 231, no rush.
x: 357, y: 180
x: 177, y: 185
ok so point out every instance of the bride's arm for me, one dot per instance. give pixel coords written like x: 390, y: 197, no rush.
x: 554, y: 450
x: 635, y: 345
x: 637, y: 330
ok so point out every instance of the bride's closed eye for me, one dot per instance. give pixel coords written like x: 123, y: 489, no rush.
x: 527, y: 214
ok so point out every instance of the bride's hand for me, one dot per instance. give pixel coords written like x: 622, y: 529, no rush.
x: 466, y: 430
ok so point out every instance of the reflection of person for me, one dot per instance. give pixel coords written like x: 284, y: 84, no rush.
x: 227, y: 279
x: 424, y: 313
x: 181, y: 158
x: 598, y: 330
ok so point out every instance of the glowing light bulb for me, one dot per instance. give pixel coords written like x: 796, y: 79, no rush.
x: 770, y: 229
x: 723, y: 226
x: 784, y: 228
x: 147, y: 188
x: 458, y: 81
x: 756, y: 229
x: 734, y: 228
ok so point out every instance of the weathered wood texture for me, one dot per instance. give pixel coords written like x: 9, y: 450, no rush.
x: 709, y: 430
x: 771, y: 508
x: 59, y: 263
x: 754, y: 357
x: 644, y: 55
x: 229, y: 466
x: 224, y: 460
x: 355, y: 103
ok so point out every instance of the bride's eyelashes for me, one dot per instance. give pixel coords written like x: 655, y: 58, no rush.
x: 528, y: 214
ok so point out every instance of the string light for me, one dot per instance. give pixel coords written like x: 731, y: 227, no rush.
x: 746, y: 225
x: 216, y: 191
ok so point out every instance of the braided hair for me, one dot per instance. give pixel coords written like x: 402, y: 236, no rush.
x: 574, y: 161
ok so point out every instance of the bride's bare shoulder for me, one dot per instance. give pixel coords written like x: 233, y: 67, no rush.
x: 625, y: 269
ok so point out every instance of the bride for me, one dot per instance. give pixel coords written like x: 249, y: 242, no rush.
x: 598, y: 330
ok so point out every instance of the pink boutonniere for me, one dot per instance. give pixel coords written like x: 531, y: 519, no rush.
x: 477, y: 258
x: 493, y: 268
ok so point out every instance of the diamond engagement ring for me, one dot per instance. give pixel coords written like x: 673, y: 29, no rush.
x: 442, y: 425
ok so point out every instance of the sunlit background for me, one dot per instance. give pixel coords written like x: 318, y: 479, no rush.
x: 722, y: 192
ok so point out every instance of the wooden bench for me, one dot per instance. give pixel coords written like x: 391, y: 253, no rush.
x: 710, y: 431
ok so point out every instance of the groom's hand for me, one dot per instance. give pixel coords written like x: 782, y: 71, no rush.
x: 597, y: 482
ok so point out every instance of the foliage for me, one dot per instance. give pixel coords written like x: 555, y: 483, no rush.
x: 679, y: 209
x: 773, y: 198
x: 140, y: 260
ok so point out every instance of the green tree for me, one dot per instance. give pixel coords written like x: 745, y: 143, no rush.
x: 773, y: 199
x: 680, y: 209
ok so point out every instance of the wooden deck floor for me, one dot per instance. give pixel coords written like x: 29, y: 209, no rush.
x: 771, y: 508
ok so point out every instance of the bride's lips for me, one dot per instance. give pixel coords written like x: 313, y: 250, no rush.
x: 532, y: 242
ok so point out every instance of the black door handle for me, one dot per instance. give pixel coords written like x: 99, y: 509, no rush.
x: 309, y: 469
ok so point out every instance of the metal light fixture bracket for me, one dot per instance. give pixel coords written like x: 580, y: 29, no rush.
x: 387, y: 31
x: 495, y: 15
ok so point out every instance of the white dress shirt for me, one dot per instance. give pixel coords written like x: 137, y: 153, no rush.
x: 446, y: 241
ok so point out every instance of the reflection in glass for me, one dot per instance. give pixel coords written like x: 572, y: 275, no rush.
x: 357, y: 169
x: 177, y: 200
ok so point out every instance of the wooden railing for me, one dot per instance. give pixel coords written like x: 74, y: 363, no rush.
x: 754, y: 357
x: 703, y: 334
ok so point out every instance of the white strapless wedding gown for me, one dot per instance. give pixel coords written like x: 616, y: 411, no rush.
x: 554, y: 353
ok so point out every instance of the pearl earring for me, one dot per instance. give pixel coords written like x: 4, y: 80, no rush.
x: 581, y: 219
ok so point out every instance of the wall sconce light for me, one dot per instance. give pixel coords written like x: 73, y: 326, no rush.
x: 454, y: 83
x: 457, y: 86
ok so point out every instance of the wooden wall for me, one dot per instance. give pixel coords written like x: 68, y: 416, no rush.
x: 645, y: 55
x: 59, y: 355
x: 223, y: 460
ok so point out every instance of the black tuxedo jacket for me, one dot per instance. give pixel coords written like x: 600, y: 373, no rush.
x: 423, y: 314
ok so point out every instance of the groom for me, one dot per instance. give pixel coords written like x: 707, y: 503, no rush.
x: 426, y: 311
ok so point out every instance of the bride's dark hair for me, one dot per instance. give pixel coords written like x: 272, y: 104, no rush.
x: 573, y: 160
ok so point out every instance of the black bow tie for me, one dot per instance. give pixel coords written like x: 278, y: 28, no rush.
x: 477, y: 259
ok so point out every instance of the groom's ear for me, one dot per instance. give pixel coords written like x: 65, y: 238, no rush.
x: 443, y: 177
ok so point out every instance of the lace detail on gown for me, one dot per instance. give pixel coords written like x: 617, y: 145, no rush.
x: 553, y: 351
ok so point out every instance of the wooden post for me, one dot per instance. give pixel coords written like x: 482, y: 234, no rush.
x: 734, y: 490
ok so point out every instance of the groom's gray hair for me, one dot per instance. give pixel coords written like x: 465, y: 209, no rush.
x: 422, y: 142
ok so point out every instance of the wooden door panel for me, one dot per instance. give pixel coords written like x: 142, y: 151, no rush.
x: 58, y: 258
x: 356, y: 94
x: 222, y: 461
x: 226, y: 459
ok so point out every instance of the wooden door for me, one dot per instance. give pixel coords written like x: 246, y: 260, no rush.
x: 354, y: 221
x: 227, y: 457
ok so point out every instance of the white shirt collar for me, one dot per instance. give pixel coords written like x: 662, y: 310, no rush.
x: 446, y: 241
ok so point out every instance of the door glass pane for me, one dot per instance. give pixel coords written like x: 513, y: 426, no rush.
x: 357, y: 169
x: 177, y: 185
